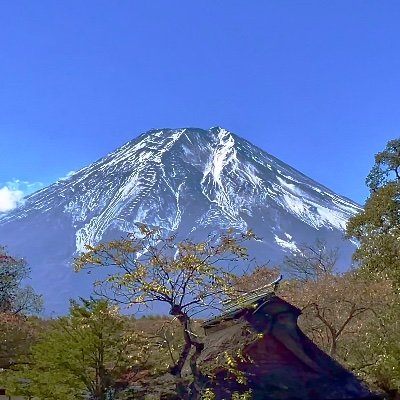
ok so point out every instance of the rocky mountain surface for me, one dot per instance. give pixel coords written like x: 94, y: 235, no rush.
x: 192, y: 181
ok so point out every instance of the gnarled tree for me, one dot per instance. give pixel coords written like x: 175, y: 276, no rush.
x: 189, y: 277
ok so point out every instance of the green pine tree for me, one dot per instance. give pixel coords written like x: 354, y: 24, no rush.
x: 377, y: 227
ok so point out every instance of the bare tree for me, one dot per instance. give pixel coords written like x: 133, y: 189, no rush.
x: 311, y: 262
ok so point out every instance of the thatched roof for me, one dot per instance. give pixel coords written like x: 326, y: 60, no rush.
x: 234, y: 308
x: 261, y: 334
x: 232, y: 337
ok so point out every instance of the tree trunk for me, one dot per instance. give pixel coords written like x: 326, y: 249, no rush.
x: 198, y: 377
x: 333, y: 347
x: 194, y: 392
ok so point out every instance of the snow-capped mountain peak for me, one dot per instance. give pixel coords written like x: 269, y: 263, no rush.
x: 188, y: 180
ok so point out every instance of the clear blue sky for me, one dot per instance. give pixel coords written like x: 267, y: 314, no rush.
x: 315, y: 83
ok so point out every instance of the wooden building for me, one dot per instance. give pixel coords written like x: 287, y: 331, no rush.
x: 278, y: 361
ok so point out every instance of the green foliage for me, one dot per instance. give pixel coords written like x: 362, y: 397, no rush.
x: 374, y: 353
x: 231, y: 364
x: 377, y: 227
x: 242, y: 396
x: 386, y: 371
x: 208, y: 394
x: 81, y: 354
x: 386, y: 167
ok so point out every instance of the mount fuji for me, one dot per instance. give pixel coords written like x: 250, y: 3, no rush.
x: 192, y: 181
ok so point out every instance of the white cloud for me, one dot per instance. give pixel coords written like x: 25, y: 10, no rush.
x: 10, y: 199
x: 12, y: 193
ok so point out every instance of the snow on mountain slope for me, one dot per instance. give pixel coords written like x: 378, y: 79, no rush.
x: 190, y: 180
